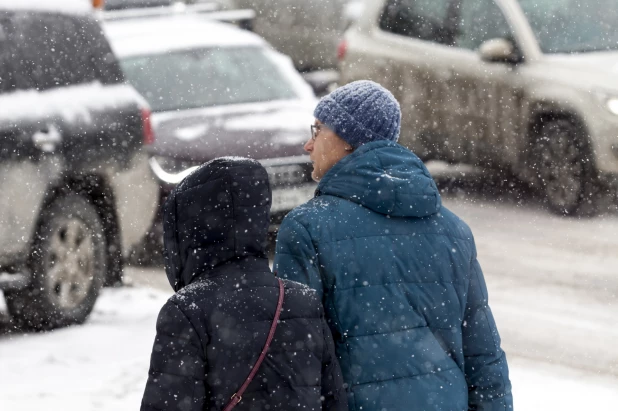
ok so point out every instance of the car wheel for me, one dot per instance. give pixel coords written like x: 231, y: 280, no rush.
x: 563, y: 166
x: 68, y: 264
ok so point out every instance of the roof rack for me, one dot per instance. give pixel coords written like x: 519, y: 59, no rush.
x: 242, y: 17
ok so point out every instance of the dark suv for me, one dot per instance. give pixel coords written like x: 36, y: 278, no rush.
x: 76, y: 191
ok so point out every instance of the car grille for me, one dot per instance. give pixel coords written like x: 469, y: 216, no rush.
x: 288, y: 175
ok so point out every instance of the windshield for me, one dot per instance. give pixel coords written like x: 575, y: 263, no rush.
x: 207, y: 77
x: 573, y: 26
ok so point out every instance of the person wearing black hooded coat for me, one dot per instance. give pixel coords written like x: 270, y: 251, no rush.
x: 211, y: 332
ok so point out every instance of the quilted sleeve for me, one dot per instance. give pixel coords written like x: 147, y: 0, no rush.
x: 487, y: 374
x: 333, y: 389
x: 296, y: 258
x: 176, y: 380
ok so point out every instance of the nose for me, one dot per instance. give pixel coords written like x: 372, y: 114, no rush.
x: 308, y: 147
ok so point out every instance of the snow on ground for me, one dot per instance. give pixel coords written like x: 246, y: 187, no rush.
x: 99, y: 366
x: 553, y: 281
x: 103, y: 365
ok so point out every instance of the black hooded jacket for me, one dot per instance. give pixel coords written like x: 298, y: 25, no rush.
x: 211, y: 332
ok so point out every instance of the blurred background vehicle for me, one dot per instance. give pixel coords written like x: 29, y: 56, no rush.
x: 77, y: 192
x: 527, y: 86
x: 307, y: 31
x: 216, y: 90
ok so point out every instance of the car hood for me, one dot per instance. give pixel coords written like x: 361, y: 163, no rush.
x: 259, y: 131
x: 595, y: 69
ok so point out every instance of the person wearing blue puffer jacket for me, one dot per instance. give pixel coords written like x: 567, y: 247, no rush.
x: 397, y: 272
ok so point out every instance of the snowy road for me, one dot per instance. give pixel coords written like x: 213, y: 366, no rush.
x: 553, y: 285
x: 553, y: 281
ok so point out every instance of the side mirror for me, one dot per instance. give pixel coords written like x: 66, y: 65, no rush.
x: 499, y: 51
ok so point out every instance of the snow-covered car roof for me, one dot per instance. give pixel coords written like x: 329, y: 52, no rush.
x: 54, y: 6
x: 160, y: 35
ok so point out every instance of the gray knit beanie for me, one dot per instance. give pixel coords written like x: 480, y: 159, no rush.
x: 361, y: 112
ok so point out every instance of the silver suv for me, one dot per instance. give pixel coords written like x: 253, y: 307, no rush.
x: 525, y: 85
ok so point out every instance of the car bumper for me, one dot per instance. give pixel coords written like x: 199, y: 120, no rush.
x: 290, y: 180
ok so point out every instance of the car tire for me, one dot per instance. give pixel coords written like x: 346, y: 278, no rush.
x: 563, y: 166
x: 68, y: 264
x: 149, y: 251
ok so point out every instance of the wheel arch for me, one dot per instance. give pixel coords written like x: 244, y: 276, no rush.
x: 543, y: 113
x: 99, y: 193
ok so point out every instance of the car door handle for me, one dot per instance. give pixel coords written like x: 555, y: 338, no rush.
x: 47, y: 138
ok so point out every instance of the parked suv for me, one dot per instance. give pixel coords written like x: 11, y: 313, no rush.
x: 525, y: 85
x: 76, y: 188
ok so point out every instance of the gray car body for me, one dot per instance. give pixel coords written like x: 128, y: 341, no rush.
x: 85, y: 138
x: 460, y: 107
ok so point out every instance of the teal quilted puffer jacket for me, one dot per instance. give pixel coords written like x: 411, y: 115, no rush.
x: 401, y: 285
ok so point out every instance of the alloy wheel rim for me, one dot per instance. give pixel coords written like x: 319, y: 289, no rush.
x: 70, y: 263
x: 562, y: 171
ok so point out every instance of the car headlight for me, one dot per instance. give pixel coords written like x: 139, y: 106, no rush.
x: 612, y: 105
x: 174, y: 165
x: 170, y: 170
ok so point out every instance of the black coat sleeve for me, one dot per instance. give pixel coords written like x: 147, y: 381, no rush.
x: 176, y: 380
x: 333, y: 389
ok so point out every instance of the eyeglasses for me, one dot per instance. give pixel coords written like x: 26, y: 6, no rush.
x: 315, y: 130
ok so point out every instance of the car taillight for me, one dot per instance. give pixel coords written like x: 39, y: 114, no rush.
x: 98, y: 4
x: 342, y: 49
x: 149, y: 136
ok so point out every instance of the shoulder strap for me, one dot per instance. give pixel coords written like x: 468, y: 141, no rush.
x: 237, y: 397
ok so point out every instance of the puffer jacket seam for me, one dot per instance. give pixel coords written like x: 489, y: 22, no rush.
x: 339, y: 289
x: 251, y: 287
x: 401, y: 331
x: 180, y: 338
x: 280, y: 320
x: 395, y: 235
x: 174, y: 374
x: 423, y: 375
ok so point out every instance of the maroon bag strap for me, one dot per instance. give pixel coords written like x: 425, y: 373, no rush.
x: 237, y: 397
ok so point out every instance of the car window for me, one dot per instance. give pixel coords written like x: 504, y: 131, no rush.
x: 207, y: 77
x: 58, y: 50
x: 571, y: 26
x: 422, y: 19
x: 479, y: 21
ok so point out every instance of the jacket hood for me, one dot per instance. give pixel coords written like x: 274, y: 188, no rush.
x: 217, y: 214
x: 386, y: 178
